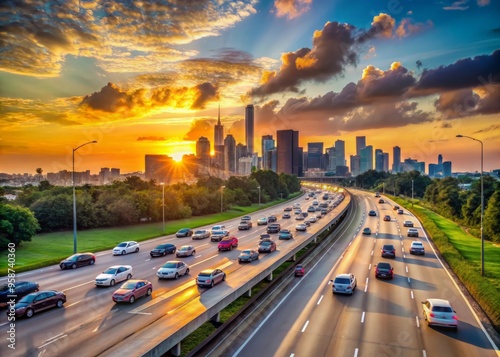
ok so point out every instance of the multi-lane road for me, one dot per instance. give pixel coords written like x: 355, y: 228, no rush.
x: 382, y: 317
x: 91, y: 324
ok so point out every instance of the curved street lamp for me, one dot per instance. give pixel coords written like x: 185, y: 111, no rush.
x: 74, y: 194
x: 163, y: 204
x: 221, y: 197
x: 482, y: 199
x: 259, y: 195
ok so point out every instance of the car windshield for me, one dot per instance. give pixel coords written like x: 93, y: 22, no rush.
x: 217, y: 232
x: 27, y: 299
x: 245, y: 252
x: 199, y: 232
x: 161, y: 246
x: 417, y: 244
x: 122, y: 245
x: 73, y: 258
x: 341, y: 281
x: 442, y: 309
x: 129, y: 285
x: 184, y: 248
x: 265, y: 243
x: 383, y: 266
x: 388, y: 247
x: 183, y: 230
x: 110, y: 271
x: 202, y: 274
x: 170, y: 265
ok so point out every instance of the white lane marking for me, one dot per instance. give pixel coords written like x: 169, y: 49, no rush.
x: 53, y: 339
x: 77, y: 286
x: 403, y: 249
x: 370, y: 266
x: 5, y: 323
x: 411, y: 293
x: 140, y: 313
x: 363, y: 317
x: 197, y: 256
x: 153, y: 268
x: 404, y: 256
x: 41, y: 353
x: 147, y: 260
x: 77, y: 302
x: 409, y: 281
x: 418, y: 322
x: 366, y: 288
x: 305, y: 326
x: 319, y: 301
x: 372, y: 253
x: 407, y: 268
x: 424, y: 354
x: 356, y: 352
x: 350, y: 242
x: 366, y: 281
x: 292, y: 355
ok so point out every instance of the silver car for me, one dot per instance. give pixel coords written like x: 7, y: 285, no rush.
x: 344, y: 284
x: 248, y: 255
x: 125, y: 248
x: 440, y: 313
x: 210, y: 277
x: 113, y: 275
x: 172, y: 270
x: 201, y: 234
x: 185, y: 251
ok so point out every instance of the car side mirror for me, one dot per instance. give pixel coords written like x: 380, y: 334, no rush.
x: 331, y: 281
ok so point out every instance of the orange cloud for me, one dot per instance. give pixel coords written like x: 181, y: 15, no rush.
x: 291, y: 8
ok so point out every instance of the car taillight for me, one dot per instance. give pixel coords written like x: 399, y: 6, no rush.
x: 455, y: 317
x: 349, y: 287
x: 432, y: 315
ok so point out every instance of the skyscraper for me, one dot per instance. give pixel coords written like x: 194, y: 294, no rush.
x: 360, y: 144
x: 288, y: 152
x: 218, y: 132
x: 379, y: 160
x: 203, y: 154
x: 366, y: 159
x: 267, y: 144
x: 230, y: 153
x: 314, y: 154
x: 396, y: 163
x: 340, y: 153
x: 249, y: 127
x: 355, y: 165
x: 447, y: 168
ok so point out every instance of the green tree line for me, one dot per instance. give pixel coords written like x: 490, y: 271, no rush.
x: 47, y: 208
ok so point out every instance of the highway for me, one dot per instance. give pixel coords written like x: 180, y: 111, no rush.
x: 381, y: 318
x: 91, y: 323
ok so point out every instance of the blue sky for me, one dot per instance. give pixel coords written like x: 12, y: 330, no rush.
x: 153, y: 76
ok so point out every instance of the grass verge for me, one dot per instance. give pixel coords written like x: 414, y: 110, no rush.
x: 50, y: 248
x: 462, y: 252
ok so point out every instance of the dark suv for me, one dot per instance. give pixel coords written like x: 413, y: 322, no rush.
x: 273, y: 228
x: 389, y: 251
x: 77, y: 260
x: 384, y: 270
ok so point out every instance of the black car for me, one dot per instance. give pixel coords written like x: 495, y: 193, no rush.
x: 77, y: 260
x: 271, y: 219
x: 372, y: 213
x: 20, y: 289
x: 162, y: 250
x: 184, y: 232
x: 266, y: 246
x: 388, y: 250
x: 273, y: 228
x: 384, y: 270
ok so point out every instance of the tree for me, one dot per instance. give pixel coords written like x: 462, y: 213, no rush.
x: 53, y: 212
x: 17, y: 224
x: 44, y: 185
x: 491, y: 221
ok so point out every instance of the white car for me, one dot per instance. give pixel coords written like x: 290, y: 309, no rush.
x: 113, y: 275
x: 344, y: 284
x: 440, y: 313
x: 313, y: 219
x: 125, y: 248
x: 301, y: 227
x: 218, y: 227
x: 172, y: 270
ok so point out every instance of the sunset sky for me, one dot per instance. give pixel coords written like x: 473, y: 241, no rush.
x: 146, y: 77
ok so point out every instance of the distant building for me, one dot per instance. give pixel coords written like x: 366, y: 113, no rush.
x: 203, y: 155
x: 158, y: 168
x: 104, y: 176
x: 219, y: 157
x: 360, y: 144
x: 366, y: 159
x: 433, y: 170
x: 229, y: 153
x: 267, y: 144
x: 340, y: 153
x: 396, y: 163
x: 379, y: 160
x: 218, y: 132
x: 447, y: 169
x: 355, y: 165
x: 411, y: 164
x: 288, y: 153
x: 245, y: 166
x: 241, y: 151
x: 332, y: 159
x: 314, y: 155
x: 249, y: 128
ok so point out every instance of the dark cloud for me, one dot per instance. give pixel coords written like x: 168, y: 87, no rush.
x: 465, y: 73
x: 490, y: 100
x: 457, y: 104
x: 379, y: 84
x: 151, y: 138
x: 109, y: 99
x: 382, y: 25
x: 200, y: 127
x: 445, y: 125
x: 492, y: 127
x: 204, y: 93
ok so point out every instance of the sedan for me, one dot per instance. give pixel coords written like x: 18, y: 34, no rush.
x: 262, y: 221
x: 384, y: 270
x: 20, y: 289
x: 407, y: 224
x: 439, y: 312
x: 288, y: 209
x: 285, y: 234
x: 244, y: 225
x: 417, y: 247
x: 265, y: 236
x: 412, y: 232
x: 185, y: 251
x: 387, y: 218
x: 367, y: 231
x: 39, y: 301
x: 172, y: 270
x: 77, y: 260
x: 210, y: 277
x: 113, y: 275
x: 301, y: 227
x: 125, y: 248
x: 299, y: 217
x: 162, y: 250
x: 344, y: 284
x: 228, y: 243
x: 388, y: 250
x: 299, y: 270
x: 273, y: 228
x: 400, y: 211
x: 184, y: 232
x: 201, y: 234
x: 132, y: 290
x: 381, y: 201
x: 266, y: 246
x: 372, y: 213
x: 248, y: 255
x: 286, y: 216
x: 271, y: 219
x: 218, y: 235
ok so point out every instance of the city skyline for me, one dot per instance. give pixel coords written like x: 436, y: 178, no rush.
x: 147, y: 83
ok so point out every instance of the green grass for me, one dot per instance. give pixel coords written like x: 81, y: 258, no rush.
x: 50, y: 248
x: 462, y: 252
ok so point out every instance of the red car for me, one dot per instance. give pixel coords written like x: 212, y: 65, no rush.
x: 132, y: 290
x: 299, y: 270
x: 228, y: 243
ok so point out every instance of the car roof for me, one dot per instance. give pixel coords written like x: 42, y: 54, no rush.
x: 417, y: 242
x: 388, y: 245
x: 384, y: 264
x: 119, y: 266
x: 344, y: 275
x: 439, y: 302
x: 207, y: 271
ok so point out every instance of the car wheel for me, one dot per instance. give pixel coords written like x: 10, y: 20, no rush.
x: 92, y: 261
x: 132, y: 299
x: 129, y: 276
x: 193, y: 253
x: 148, y: 293
x: 176, y: 275
x: 29, y: 313
x: 112, y: 283
x: 136, y: 250
x: 123, y: 252
x: 187, y: 271
x: 224, y: 277
x: 164, y: 253
x: 73, y: 266
x: 231, y: 247
x: 212, y: 284
x: 59, y: 303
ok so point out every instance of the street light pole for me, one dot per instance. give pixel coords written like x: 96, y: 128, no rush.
x: 74, y: 196
x: 221, y: 197
x: 412, y: 193
x: 259, y: 195
x: 482, y: 200
x: 163, y: 204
